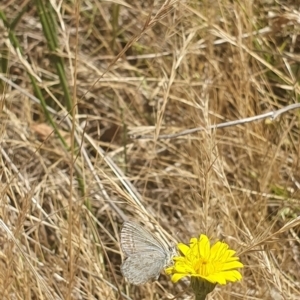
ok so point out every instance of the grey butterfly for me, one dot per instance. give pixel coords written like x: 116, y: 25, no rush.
x: 146, y: 254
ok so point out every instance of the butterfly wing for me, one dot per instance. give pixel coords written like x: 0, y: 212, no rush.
x: 136, y: 239
x: 141, y: 267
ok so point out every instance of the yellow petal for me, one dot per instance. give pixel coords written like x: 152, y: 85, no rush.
x: 204, y: 246
x: 184, y: 249
x: 231, y: 265
x: 169, y: 270
x: 232, y: 276
x: 183, y: 268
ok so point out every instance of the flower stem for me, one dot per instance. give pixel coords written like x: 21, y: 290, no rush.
x: 200, y: 297
x: 201, y: 287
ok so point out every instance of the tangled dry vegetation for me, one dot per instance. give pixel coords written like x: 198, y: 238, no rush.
x: 71, y: 171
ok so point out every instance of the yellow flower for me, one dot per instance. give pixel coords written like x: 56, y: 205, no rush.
x: 215, y: 264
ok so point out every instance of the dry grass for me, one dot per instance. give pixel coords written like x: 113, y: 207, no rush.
x: 134, y: 68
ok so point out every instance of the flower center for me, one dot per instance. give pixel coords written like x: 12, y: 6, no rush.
x: 201, y: 267
x: 204, y: 267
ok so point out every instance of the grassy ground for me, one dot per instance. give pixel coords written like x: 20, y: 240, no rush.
x: 72, y: 171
